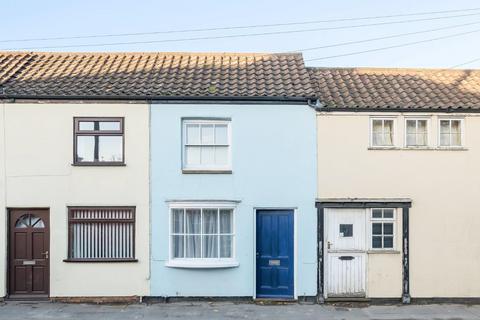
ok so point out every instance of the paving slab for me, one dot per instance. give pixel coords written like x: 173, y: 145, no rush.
x: 231, y: 311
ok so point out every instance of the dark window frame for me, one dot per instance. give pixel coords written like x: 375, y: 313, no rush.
x: 72, y: 221
x: 97, y: 133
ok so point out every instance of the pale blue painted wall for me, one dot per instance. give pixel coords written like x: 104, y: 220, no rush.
x: 274, y: 165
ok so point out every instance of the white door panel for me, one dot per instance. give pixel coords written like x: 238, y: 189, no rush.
x: 346, y: 245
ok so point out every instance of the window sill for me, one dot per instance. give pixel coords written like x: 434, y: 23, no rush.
x: 190, y: 264
x: 420, y: 148
x: 99, y: 164
x: 381, y: 251
x: 72, y: 260
x: 203, y: 171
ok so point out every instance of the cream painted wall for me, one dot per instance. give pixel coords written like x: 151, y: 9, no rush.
x: 3, y: 217
x: 39, y: 173
x: 444, y: 186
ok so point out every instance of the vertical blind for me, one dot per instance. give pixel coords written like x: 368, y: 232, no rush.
x: 102, y: 233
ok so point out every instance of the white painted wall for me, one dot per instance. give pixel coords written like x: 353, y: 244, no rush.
x: 39, y: 173
x: 3, y: 218
x: 444, y: 186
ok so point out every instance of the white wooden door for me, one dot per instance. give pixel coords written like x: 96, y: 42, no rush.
x: 345, y: 247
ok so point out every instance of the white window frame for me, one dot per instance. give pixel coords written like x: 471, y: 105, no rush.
x: 462, y: 133
x: 207, y: 121
x: 428, y: 132
x: 202, y: 262
x: 373, y: 220
x: 394, y: 119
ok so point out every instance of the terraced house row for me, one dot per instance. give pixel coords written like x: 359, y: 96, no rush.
x: 162, y: 175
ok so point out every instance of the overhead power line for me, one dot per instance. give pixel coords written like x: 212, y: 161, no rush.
x: 242, y: 35
x: 237, y: 27
x: 385, y: 37
x: 394, y: 46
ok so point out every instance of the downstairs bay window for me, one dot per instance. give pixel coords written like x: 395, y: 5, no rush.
x: 202, y: 236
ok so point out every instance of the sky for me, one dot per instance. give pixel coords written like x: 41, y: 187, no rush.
x: 27, y: 19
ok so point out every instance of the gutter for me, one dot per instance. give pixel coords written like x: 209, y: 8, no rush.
x: 153, y: 99
x: 324, y: 108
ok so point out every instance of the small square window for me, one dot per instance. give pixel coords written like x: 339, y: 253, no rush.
x: 451, y: 131
x: 98, y: 141
x: 346, y: 230
x: 416, y: 132
x: 206, y: 145
x: 382, y: 132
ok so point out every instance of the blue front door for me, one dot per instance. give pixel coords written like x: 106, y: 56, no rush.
x: 275, y: 254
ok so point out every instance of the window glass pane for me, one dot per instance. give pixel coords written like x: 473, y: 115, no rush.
x: 221, y: 156
x: 388, y: 228
x: 377, y: 126
x: 210, y: 220
x: 411, y: 126
x: 376, y: 242
x: 207, y: 134
x: 226, y: 221
x: 421, y: 139
x: 177, y: 221
x: 193, y: 134
x: 109, y: 125
x: 221, y: 134
x: 422, y: 126
x: 455, y: 126
x: 444, y: 126
x: 193, y: 221
x: 376, y: 213
x: 226, y: 246
x: 388, y: 126
x: 110, y: 148
x: 411, y: 139
x: 456, y: 140
x: 192, y: 156
x: 208, y: 156
x: 377, y: 132
x: 86, y: 125
x: 85, y: 148
x: 346, y: 230
x: 178, y: 246
x: 376, y: 228
x: 210, y: 246
x: 444, y: 139
x: 193, y: 246
x: 377, y: 139
x: 388, y: 213
x: 388, y: 242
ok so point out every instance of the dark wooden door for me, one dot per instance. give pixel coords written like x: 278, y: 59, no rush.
x: 29, y: 252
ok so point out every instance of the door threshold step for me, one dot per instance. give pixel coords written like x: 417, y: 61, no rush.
x: 348, y: 299
x: 28, y: 298
x: 273, y: 301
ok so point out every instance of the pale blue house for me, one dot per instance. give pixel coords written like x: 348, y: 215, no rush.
x: 233, y: 178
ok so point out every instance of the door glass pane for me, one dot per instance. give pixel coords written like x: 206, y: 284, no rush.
x: 207, y: 134
x: 85, y: 148
x: 346, y: 230
x: 110, y: 148
x: 226, y: 246
x: 193, y: 221
x: 37, y: 223
x: 109, y: 125
x: 221, y: 134
x: 210, y: 246
x: 177, y: 221
x: 226, y: 221
x: 193, y: 134
x: 23, y: 222
x: 210, y: 220
x: 86, y: 125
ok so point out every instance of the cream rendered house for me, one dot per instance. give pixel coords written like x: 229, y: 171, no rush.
x: 398, y: 183
x: 74, y: 179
